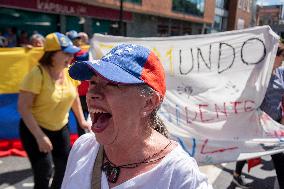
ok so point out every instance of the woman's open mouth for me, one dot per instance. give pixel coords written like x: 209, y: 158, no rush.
x: 100, y: 120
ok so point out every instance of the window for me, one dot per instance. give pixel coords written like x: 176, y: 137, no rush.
x: 28, y: 21
x: 175, y: 30
x: 106, y: 27
x: 241, y: 2
x: 245, y: 5
x: 163, y: 30
x: 134, y: 1
x: 193, y: 7
x: 101, y: 26
x: 240, y: 24
x: 222, y: 4
x: 217, y: 23
x: 220, y: 23
x: 186, y: 30
x: 74, y: 23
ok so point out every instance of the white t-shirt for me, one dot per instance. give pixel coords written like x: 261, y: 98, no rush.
x: 177, y: 170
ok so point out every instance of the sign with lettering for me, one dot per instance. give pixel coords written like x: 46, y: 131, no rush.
x: 65, y: 7
x: 215, y: 86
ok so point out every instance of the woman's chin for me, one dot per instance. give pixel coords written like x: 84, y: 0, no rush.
x: 103, y: 139
x: 105, y: 135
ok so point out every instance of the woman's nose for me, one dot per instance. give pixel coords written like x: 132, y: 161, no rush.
x: 94, y: 93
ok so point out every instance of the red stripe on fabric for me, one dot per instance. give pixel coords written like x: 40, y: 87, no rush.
x: 13, y: 147
x: 253, y: 162
x: 153, y: 74
x: 83, y: 88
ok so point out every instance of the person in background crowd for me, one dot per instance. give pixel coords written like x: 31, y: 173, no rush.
x: 23, y: 39
x: 3, y: 41
x: 74, y: 37
x: 46, y: 95
x: 129, y: 142
x: 238, y: 178
x: 272, y: 106
x: 82, y: 55
x: 84, y: 38
x: 11, y: 36
x: 37, y: 40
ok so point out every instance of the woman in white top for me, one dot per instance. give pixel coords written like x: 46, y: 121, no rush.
x: 126, y: 89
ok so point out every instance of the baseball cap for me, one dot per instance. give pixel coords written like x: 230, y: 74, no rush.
x: 125, y: 64
x: 58, y: 41
x: 73, y: 35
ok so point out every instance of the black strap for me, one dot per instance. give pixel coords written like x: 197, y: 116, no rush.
x: 97, y: 170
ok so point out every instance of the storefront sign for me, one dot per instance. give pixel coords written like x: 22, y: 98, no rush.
x: 60, y: 8
x: 67, y: 8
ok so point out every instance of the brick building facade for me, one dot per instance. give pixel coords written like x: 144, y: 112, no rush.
x: 141, y: 18
x: 269, y: 15
x: 157, y: 18
x: 234, y: 14
x: 272, y: 16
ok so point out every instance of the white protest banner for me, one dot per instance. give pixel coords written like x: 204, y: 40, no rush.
x: 215, y: 85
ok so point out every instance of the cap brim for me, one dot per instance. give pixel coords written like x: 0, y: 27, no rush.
x: 71, y: 49
x: 86, y: 69
x: 77, y: 37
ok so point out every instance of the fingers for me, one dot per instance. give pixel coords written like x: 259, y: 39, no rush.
x: 45, y: 149
x: 86, y: 125
x: 45, y: 145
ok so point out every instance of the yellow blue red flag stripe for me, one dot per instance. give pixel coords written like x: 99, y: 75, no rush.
x: 15, y: 63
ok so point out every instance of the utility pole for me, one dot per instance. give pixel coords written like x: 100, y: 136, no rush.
x: 121, y: 28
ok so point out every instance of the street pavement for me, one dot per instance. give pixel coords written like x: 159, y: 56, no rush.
x: 15, y: 173
x: 260, y: 177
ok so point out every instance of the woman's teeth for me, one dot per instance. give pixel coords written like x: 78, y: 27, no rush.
x: 97, y: 111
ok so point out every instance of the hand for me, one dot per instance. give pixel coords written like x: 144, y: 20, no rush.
x: 86, y: 125
x: 44, y: 144
x: 28, y: 46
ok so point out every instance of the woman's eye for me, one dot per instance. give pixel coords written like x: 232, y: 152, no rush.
x: 93, y: 83
x: 113, y: 84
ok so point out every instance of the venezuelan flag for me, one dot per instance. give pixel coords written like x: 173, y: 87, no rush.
x: 15, y: 63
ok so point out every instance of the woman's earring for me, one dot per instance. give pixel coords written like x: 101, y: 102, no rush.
x: 144, y: 114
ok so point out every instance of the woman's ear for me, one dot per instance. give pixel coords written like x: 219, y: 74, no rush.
x: 151, y: 103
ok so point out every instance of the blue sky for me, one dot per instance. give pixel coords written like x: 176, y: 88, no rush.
x: 270, y: 2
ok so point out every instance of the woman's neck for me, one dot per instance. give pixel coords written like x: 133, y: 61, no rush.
x: 132, y: 151
x: 55, y: 72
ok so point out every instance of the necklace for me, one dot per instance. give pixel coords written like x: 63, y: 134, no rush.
x: 112, y: 171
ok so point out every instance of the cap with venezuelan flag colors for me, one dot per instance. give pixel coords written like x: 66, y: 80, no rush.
x: 125, y: 64
x: 72, y: 35
x: 58, y: 41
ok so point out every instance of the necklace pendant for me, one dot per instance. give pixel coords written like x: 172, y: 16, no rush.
x: 114, y: 174
x: 111, y: 172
